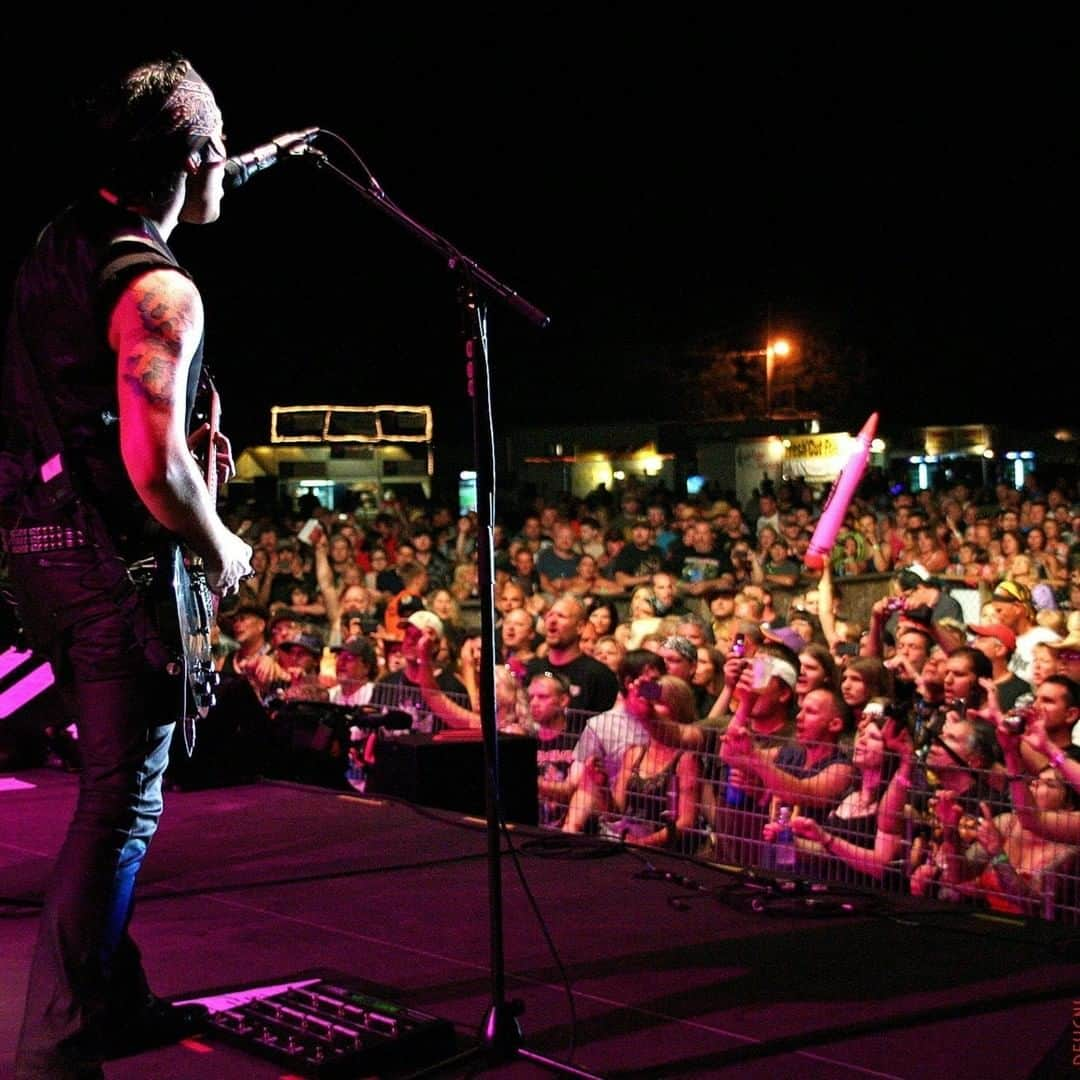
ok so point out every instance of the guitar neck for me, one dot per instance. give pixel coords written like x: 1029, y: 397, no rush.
x: 211, y: 448
x: 212, y: 471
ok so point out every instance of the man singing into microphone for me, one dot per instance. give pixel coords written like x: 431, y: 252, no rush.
x: 103, y: 356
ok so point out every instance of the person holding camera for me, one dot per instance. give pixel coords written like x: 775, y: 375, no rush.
x: 813, y: 771
x: 762, y: 684
x: 602, y: 746
x: 918, y: 597
x: 1025, y: 737
x: 1048, y: 720
x: 913, y: 645
x: 946, y: 795
x: 1022, y: 861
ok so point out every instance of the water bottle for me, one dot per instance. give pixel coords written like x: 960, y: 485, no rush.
x: 356, y: 771
x: 784, y: 844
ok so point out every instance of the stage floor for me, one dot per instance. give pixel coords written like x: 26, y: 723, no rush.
x: 249, y: 885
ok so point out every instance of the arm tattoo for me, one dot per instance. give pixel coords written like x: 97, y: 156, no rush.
x: 150, y: 369
x: 150, y: 374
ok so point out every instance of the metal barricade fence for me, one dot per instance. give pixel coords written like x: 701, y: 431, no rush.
x: 1033, y: 868
x: 1036, y: 872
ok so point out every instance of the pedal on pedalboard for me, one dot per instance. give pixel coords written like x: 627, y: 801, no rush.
x: 331, y: 1027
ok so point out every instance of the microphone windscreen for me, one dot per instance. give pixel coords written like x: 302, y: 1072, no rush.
x: 235, y: 174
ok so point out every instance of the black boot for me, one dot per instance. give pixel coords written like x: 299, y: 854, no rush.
x: 155, y: 1023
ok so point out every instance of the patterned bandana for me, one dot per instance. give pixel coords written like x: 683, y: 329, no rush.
x: 191, y: 109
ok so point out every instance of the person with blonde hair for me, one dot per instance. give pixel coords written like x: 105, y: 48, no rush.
x: 643, y: 618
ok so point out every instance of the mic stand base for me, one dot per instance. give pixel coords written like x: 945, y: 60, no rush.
x: 500, y: 1044
x: 501, y: 1032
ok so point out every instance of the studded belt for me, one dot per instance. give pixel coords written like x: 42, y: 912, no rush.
x: 38, y: 538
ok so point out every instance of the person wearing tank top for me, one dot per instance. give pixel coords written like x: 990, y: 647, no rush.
x: 102, y: 360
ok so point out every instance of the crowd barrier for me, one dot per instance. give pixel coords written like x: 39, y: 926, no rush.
x: 1042, y: 878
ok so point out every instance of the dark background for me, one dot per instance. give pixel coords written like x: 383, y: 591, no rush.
x: 891, y: 186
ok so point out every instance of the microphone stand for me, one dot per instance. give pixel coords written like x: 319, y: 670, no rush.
x: 500, y: 1033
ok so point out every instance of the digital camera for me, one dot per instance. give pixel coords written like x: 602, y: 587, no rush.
x: 649, y: 691
x: 1017, y: 720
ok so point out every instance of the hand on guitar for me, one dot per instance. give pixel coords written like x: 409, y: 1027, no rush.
x: 198, y: 443
x: 228, y: 564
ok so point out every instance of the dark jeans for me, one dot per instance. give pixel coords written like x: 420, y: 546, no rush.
x: 80, y: 608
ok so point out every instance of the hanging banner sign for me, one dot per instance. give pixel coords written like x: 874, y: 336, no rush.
x: 817, y: 458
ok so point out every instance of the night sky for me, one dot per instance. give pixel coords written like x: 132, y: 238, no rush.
x: 896, y: 190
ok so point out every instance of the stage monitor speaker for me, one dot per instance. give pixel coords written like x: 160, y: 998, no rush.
x: 449, y: 774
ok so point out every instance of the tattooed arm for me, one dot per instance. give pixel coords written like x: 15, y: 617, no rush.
x: 155, y: 329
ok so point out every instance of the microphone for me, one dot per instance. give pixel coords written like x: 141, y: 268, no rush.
x: 240, y: 169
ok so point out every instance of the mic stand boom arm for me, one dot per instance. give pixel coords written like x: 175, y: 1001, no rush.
x: 455, y: 259
x: 500, y: 1033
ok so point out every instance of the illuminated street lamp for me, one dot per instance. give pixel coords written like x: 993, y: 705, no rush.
x: 779, y: 347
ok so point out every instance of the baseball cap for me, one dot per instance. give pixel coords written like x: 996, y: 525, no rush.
x: 357, y: 646
x: 1042, y: 596
x: 309, y: 640
x: 249, y: 608
x: 720, y: 590
x: 1012, y: 592
x: 778, y: 667
x: 996, y: 630
x: 784, y: 671
x: 911, y: 577
x: 283, y: 615
x: 785, y: 635
x: 427, y: 620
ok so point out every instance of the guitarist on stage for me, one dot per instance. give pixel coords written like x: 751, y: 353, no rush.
x: 103, y: 357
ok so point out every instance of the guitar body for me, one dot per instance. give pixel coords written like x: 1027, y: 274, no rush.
x: 195, y: 610
x: 183, y: 612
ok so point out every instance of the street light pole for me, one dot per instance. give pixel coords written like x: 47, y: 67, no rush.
x: 779, y: 347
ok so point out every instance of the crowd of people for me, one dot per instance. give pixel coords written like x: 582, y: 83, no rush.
x: 677, y: 702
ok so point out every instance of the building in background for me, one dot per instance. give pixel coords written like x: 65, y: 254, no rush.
x: 349, y: 456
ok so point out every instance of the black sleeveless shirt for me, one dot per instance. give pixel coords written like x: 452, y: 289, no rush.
x: 64, y: 297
